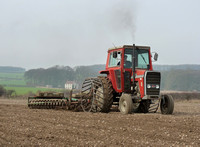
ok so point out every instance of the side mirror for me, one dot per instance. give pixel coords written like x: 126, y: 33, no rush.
x: 115, y: 54
x: 155, y: 56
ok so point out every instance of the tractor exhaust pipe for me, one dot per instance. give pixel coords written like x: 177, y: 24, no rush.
x: 133, y: 64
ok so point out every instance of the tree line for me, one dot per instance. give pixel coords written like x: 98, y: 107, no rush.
x: 10, y: 69
x: 172, y: 79
x: 58, y: 75
x: 180, y: 80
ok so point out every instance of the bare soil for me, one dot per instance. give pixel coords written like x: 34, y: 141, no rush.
x: 21, y: 126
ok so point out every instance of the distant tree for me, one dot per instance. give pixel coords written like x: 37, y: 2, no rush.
x: 184, y: 80
x: 10, y: 93
x: 2, y: 90
x: 55, y: 76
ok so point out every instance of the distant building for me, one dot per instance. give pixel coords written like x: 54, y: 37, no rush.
x: 71, y: 85
x: 49, y: 86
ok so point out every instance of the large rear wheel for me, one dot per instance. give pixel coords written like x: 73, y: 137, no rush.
x: 97, y: 95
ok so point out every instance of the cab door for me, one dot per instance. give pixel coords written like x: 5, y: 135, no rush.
x: 115, y: 68
x: 127, y: 70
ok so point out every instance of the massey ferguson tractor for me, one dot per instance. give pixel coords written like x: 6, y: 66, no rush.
x: 129, y: 82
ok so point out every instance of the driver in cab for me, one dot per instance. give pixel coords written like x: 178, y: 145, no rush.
x: 127, y: 63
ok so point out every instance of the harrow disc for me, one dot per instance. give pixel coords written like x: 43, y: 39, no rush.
x: 36, y: 103
x: 48, y: 100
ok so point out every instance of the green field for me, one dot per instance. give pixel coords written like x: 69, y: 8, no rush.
x: 30, y: 90
x: 12, y: 79
x: 15, y: 81
x: 11, y: 75
x: 12, y: 82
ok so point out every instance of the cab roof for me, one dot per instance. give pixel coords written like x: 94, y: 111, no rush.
x: 128, y: 46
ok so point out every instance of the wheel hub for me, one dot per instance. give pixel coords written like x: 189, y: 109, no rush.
x: 124, y: 105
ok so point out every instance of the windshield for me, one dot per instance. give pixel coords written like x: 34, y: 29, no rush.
x: 141, y: 58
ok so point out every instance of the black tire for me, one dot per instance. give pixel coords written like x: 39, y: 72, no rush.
x: 99, y: 95
x: 126, y: 104
x: 167, y: 104
x: 104, y: 100
x: 136, y: 107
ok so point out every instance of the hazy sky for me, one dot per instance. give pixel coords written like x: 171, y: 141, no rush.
x: 44, y: 33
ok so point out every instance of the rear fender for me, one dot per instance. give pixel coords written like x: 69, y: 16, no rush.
x: 104, y: 72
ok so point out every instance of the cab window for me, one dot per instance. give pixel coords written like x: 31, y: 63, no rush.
x: 115, y: 61
x: 141, y: 58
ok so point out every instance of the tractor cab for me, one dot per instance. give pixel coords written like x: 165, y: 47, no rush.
x: 126, y: 68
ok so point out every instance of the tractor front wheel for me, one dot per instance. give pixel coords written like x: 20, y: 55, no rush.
x: 126, y: 104
x: 167, y: 104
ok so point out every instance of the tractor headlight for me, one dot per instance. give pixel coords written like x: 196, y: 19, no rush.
x: 153, y: 86
x: 148, y: 85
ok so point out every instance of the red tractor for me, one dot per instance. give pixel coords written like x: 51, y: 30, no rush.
x: 130, y: 83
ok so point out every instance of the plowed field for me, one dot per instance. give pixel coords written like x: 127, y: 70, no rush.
x: 21, y: 126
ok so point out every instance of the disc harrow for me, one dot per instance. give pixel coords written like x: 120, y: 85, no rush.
x: 54, y: 101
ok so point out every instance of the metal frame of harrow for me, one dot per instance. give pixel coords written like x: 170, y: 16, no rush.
x: 42, y: 102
